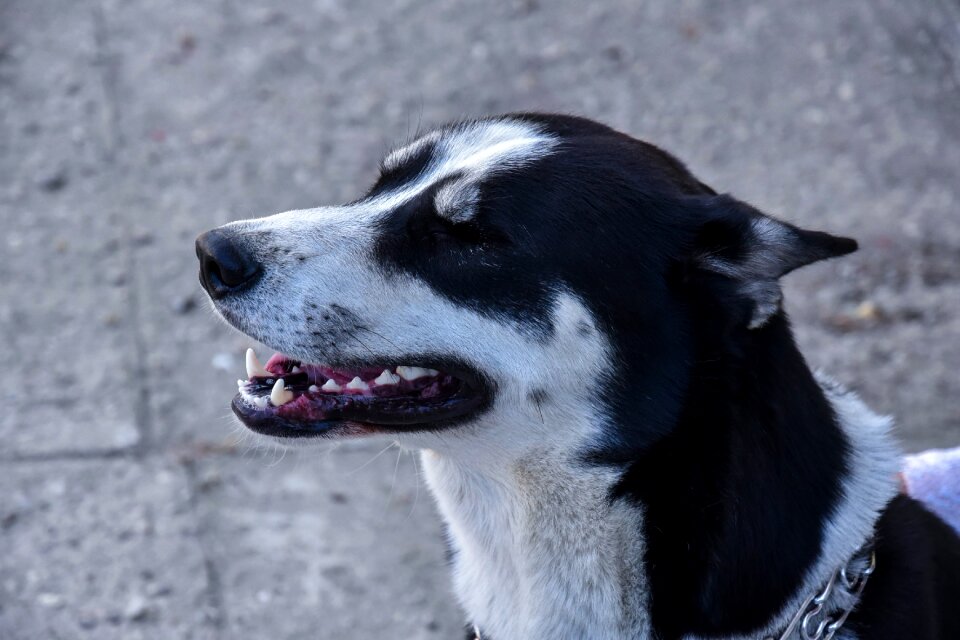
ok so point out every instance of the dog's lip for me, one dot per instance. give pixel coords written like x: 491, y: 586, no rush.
x: 441, y: 393
x: 272, y: 424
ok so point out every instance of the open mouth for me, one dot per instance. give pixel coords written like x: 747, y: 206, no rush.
x: 290, y: 398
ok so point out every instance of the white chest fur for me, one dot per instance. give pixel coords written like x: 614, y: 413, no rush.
x: 540, y: 551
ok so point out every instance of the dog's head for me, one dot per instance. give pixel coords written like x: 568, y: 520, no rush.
x: 505, y: 280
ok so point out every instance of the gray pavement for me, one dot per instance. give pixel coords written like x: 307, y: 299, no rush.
x: 130, y: 506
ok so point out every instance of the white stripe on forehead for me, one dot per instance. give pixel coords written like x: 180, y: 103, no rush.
x: 474, y: 149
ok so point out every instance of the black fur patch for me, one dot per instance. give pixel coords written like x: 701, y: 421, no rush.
x: 538, y: 396
x: 915, y: 590
x: 736, y: 495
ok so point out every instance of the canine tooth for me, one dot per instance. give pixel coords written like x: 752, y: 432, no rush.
x: 358, y: 384
x: 387, y: 378
x: 261, y: 402
x: 295, y: 370
x: 254, y: 368
x: 313, y: 388
x: 330, y: 385
x: 279, y: 396
x: 412, y: 373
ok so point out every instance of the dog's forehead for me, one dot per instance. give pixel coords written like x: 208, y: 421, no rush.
x: 467, y: 152
x: 474, y: 146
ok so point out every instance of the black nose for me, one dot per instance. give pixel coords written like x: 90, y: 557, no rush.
x: 225, y: 267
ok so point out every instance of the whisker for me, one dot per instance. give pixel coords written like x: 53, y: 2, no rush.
x: 283, y: 454
x: 367, y: 463
x: 380, y: 335
x: 360, y: 342
x: 393, y: 483
x: 416, y: 474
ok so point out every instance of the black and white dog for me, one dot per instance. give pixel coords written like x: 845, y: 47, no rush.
x: 588, y: 346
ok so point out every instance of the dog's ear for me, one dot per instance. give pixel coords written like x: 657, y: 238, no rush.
x: 755, y: 250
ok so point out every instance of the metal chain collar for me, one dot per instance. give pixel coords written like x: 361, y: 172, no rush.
x: 813, y: 621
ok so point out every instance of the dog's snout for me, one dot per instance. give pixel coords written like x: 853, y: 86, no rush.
x: 225, y: 266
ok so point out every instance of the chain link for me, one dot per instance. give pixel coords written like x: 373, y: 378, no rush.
x: 812, y: 620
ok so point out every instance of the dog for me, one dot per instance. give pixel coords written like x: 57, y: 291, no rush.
x: 588, y: 345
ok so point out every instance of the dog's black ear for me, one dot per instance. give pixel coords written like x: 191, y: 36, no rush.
x: 737, y: 241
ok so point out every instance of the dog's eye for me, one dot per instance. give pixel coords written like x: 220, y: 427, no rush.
x: 444, y: 230
x: 440, y: 232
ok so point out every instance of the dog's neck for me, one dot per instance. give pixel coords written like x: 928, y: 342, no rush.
x: 719, y: 530
x: 538, y: 548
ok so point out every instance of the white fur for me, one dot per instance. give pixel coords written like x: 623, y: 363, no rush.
x: 473, y: 149
x: 458, y: 201
x: 540, y: 551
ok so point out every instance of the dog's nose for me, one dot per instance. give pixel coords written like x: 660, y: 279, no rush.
x: 225, y: 267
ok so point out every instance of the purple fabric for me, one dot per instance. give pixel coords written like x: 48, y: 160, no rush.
x: 933, y: 478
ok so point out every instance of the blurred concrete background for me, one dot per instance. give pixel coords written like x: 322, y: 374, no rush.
x: 131, y: 507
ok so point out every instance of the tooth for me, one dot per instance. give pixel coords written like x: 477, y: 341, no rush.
x: 313, y: 388
x: 295, y: 370
x: 241, y: 383
x: 330, y: 385
x: 412, y: 373
x: 280, y: 396
x: 254, y: 368
x: 358, y: 384
x: 386, y: 378
x: 261, y: 402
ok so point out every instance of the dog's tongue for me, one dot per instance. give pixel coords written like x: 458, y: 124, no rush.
x: 275, y: 364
